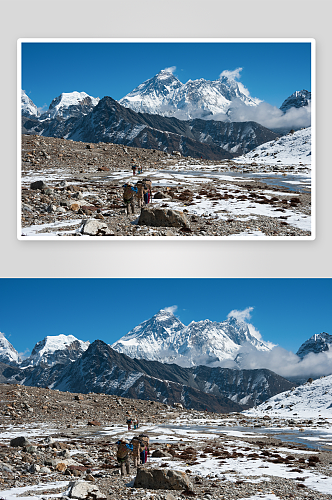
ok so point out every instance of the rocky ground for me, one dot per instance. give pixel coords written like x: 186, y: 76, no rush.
x: 67, y: 184
x: 67, y: 450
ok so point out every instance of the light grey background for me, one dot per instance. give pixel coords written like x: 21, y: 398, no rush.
x: 164, y: 18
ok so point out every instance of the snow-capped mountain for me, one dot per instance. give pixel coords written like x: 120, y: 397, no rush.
x: 28, y: 108
x: 311, y: 399
x: 56, y: 349
x: 319, y: 342
x: 164, y: 338
x: 68, y: 105
x: 8, y: 353
x: 293, y: 148
x: 165, y: 95
x: 298, y: 99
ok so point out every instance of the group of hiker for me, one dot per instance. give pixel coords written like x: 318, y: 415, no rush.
x: 137, y: 168
x: 132, y: 421
x: 138, y: 448
x: 142, y: 191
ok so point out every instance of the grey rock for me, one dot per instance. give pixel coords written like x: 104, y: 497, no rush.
x: 49, y: 440
x: 93, y: 227
x: 5, y: 468
x: 161, y: 454
x: 77, y: 196
x: 51, y: 208
x: 61, y: 210
x: 34, y: 468
x: 38, y: 185
x: 156, y: 479
x: 31, y: 449
x: 159, y: 196
x: 45, y: 470
x: 27, y: 208
x: 82, y: 489
x: 20, y: 441
x: 164, y: 217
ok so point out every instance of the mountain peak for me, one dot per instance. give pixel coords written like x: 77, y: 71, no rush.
x: 8, y: 353
x: 56, y: 349
x: 319, y: 342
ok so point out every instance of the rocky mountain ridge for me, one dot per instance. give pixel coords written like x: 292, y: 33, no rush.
x: 110, y: 122
x: 102, y: 369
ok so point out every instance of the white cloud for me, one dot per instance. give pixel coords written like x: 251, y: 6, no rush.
x: 170, y: 309
x: 232, y: 75
x: 171, y: 69
x: 241, y: 315
x: 287, y: 364
x: 270, y: 116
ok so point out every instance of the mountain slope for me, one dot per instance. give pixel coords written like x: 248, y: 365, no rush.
x: 317, y: 343
x: 290, y: 149
x: 312, y: 399
x: 164, y: 338
x: 165, y: 95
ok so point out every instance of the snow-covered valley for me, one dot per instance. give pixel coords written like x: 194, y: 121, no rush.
x: 256, y: 195
x: 256, y: 454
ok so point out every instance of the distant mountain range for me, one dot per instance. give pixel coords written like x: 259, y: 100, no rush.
x: 164, y: 338
x: 161, y: 113
x: 165, y: 95
x: 66, y: 363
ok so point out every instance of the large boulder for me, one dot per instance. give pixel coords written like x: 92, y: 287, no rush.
x: 161, y: 454
x: 83, y: 489
x: 38, y: 185
x: 161, y: 479
x: 20, y: 441
x: 94, y: 227
x: 165, y: 217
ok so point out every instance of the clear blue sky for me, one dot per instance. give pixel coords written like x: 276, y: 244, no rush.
x: 270, y: 71
x: 285, y: 311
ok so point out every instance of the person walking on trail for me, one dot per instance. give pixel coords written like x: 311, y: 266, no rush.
x: 134, y: 168
x: 129, y: 422
x: 147, y: 190
x: 136, y: 450
x: 128, y: 197
x: 122, y: 456
x: 144, y: 447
